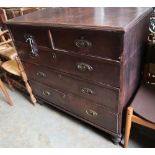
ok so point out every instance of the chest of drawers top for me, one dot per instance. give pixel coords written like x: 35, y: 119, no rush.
x: 97, y: 18
x: 97, y: 32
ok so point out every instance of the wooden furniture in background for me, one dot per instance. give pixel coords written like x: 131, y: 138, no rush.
x: 142, y: 109
x: 24, y: 77
x: 9, y: 13
x: 7, y: 49
x: 2, y: 17
x: 15, y: 68
x: 84, y: 61
x: 12, y: 65
x: 3, y: 88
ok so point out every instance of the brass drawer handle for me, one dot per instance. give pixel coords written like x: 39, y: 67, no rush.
x: 84, y: 67
x: 42, y: 74
x: 63, y: 96
x: 82, y: 43
x: 87, y: 91
x: 46, y: 93
x: 91, y: 113
x: 54, y: 56
x: 34, y: 49
x: 59, y: 76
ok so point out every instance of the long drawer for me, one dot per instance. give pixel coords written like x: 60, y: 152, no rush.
x: 103, y: 72
x: 98, y: 43
x: 78, y: 106
x: 105, y: 96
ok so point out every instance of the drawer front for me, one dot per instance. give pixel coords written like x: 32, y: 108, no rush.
x: 103, y: 72
x: 106, y: 44
x: 40, y: 35
x: 105, y: 96
x: 49, y: 94
x: 78, y: 106
x: 43, y: 57
x: 92, y: 112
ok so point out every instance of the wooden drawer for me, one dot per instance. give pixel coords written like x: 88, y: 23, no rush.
x: 40, y: 35
x: 103, y: 72
x: 48, y: 93
x: 78, y: 106
x: 44, y: 57
x: 105, y: 96
x: 92, y: 112
x: 99, y: 43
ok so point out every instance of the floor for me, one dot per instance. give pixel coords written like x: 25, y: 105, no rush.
x: 28, y: 126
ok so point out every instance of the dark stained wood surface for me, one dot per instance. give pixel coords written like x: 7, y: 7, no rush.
x: 110, y: 18
x: 69, y: 64
x: 103, y: 44
x: 61, y: 81
x: 77, y: 105
x: 37, y: 33
x: 110, y: 66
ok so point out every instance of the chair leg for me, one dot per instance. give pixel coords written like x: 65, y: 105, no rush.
x: 5, y: 93
x: 128, y: 126
x: 24, y: 77
x: 8, y: 81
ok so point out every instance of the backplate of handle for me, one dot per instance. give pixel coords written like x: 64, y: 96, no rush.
x: 54, y: 55
x: 42, y: 74
x: 91, y: 113
x: 34, y: 49
x: 46, y: 93
x: 84, y: 67
x: 82, y: 43
x: 87, y: 91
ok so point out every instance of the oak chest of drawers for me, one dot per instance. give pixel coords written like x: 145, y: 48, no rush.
x: 84, y: 61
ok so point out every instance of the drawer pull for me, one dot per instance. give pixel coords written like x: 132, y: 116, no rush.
x: 84, y: 67
x: 82, y: 43
x: 59, y: 76
x: 46, y: 93
x: 54, y: 56
x: 41, y: 74
x: 91, y: 113
x: 34, y: 49
x: 87, y: 91
x: 63, y: 96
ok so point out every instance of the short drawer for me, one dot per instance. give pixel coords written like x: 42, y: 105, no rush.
x: 103, y: 72
x: 39, y: 35
x: 78, y: 106
x: 106, y: 44
x: 105, y: 96
x: 44, y: 56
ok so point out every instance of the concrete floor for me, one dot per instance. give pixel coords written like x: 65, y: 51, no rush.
x: 28, y: 126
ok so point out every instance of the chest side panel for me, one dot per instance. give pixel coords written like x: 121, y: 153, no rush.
x: 134, y: 40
